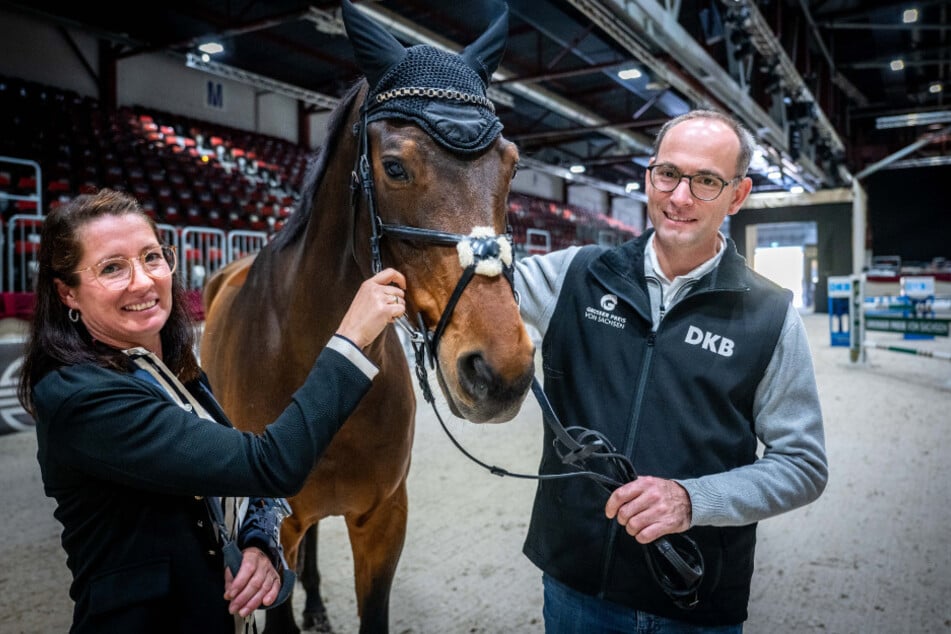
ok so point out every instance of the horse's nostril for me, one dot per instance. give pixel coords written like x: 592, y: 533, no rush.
x: 475, y: 375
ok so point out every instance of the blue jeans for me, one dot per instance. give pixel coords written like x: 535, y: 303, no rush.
x: 567, y: 611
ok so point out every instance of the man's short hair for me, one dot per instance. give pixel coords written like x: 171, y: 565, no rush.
x: 742, y: 134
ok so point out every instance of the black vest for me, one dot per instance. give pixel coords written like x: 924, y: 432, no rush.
x: 677, y: 401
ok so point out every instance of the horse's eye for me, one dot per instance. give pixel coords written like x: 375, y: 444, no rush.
x: 515, y: 171
x: 395, y: 170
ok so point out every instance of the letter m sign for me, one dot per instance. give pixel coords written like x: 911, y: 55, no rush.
x: 215, y: 96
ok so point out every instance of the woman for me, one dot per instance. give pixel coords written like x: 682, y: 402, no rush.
x: 128, y: 456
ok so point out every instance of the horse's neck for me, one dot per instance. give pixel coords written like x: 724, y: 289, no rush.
x: 319, y: 275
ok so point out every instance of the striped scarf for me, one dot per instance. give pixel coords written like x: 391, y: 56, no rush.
x: 226, y: 513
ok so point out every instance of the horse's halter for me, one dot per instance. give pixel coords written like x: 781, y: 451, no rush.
x: 675, y: 561
x: 480, y: 253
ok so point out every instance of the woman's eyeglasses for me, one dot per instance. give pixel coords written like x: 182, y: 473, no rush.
x: 115, y: 274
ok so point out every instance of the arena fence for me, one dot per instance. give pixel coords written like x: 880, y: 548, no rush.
x: 202, y: 251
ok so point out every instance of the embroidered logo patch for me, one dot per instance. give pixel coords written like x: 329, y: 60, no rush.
x: 605, y: 315
x: 709, y: 341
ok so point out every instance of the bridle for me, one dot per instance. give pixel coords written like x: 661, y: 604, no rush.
x: 481, y: 251
x: 675, y: 560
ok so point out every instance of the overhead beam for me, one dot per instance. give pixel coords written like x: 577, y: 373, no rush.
x: 575, y: 72
x: 837, y: 78
x: 561, y: 172
x: 630, y: 21
x: 535, y: 94
x: 567, y: 133
x: 259, y: 81
x: 866, y: 26
x: 892, y: 158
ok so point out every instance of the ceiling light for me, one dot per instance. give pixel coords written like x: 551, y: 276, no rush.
x: 897, y: 64
x: 909, y: 16
x: 633, y: 186
x: 797, y: 189
x: 577, y: 169
x: 629, y: 73
x: 211, y: 48
x: 935, y: 88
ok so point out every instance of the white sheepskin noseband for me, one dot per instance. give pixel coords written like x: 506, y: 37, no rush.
x: 491, y: 253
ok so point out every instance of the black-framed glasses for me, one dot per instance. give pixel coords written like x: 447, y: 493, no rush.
x: 704, y: 187
x: 115, y: 274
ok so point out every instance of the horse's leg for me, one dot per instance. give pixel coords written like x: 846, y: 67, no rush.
x: 315, y: 614
x: 377, y: 541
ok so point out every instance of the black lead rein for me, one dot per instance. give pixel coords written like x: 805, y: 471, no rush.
x: 677, y: 568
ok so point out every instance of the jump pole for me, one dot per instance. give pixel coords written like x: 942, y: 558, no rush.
x: 937, y: 354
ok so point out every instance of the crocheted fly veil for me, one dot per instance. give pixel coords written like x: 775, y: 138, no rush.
x: 443, y: 93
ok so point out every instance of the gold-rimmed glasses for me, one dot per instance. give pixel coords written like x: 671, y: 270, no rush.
x: 115, y: 274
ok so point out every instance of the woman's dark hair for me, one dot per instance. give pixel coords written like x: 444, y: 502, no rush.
x: 54, y: 340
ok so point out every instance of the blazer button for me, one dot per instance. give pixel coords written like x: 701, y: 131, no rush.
x: 201, y: 524
x: 211, y: 553
x: 198, y: 497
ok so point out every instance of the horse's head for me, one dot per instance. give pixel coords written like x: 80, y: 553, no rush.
x: 440, y: 173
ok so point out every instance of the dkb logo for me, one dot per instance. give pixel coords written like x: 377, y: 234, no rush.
x: 709, y: 341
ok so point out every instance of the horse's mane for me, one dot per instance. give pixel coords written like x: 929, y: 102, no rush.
x: 336, y: 129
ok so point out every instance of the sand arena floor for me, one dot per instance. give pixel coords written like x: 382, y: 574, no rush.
x: 872, y: 555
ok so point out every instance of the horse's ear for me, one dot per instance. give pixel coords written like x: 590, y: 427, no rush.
x: 483, y: 55
x: 376, y: 50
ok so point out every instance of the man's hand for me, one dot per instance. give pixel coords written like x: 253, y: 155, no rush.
x: 649, y: 508
x: 257, y: 583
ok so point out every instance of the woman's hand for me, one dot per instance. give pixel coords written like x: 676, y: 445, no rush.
x: 379, y: 301
x: 257, y: 583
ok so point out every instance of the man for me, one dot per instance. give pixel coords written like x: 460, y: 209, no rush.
x: 682, y: 358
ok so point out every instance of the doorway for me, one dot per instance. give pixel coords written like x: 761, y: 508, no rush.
x: 786, y: 253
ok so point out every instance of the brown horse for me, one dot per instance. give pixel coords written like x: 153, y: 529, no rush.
x: 269, y: 315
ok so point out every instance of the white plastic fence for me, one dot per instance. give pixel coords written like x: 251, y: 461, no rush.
x: 201, y: 251
x: 242, y: 242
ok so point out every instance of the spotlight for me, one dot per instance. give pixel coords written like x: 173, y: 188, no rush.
x: 211, y: 48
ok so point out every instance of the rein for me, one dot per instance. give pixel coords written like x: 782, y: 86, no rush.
x: 674, y: 560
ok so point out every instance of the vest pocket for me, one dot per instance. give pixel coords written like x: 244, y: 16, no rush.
x: 123, y: 587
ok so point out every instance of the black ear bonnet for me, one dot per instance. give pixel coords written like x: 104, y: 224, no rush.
x: 443, y: 93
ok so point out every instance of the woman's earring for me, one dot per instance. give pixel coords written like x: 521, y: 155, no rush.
x: 73, y: 315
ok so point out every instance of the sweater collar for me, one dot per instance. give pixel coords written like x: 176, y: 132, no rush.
x: 628, y: 261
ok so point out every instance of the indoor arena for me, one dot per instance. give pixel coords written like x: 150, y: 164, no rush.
x: 434, y: 204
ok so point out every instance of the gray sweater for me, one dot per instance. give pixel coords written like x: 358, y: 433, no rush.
x: 792, y: 469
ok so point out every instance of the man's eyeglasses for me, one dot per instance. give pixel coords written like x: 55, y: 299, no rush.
x: 704, y: 187
x: 115, y: 274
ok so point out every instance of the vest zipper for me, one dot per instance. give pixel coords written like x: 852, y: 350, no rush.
x: 607, y: 558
